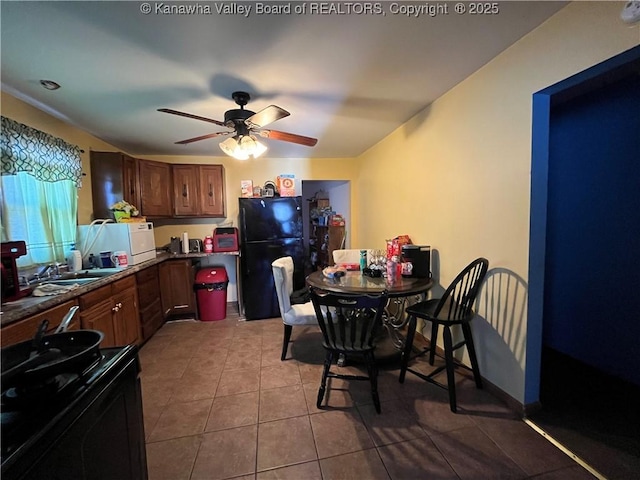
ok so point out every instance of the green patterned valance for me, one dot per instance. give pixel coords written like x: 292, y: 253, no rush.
x: 43, y: 156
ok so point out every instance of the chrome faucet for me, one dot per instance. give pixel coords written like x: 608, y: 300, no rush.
x: 46, y: 270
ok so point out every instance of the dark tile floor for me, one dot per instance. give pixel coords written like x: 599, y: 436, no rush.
x: 219, y: 404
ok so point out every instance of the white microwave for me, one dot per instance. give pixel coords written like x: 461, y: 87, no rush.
x: 137, y: 239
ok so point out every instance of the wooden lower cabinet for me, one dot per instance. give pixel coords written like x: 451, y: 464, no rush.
x: 149, y: 302
x: 113, y: 310
x: 26, y: 329
x: 176, y: 287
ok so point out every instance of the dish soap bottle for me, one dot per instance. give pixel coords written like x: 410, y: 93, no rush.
x: 75, y: 259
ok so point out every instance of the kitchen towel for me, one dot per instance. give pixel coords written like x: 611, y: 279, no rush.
x: 47, y: 289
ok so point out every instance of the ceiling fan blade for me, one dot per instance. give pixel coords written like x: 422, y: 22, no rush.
x: 203, y: 137
x: 189, y: 115
x: 266, y: 116
x: 289, y: 137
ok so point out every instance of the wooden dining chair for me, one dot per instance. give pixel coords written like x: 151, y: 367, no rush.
x: 455, y: 307
x: 349, y: 325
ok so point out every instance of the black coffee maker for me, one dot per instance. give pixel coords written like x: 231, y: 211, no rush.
x: 420, y: 258
x: 11, y: 290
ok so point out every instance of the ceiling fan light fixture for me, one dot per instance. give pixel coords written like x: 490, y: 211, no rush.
x: 231, y: 147
x: 252, y: 147
x: 242, y: 147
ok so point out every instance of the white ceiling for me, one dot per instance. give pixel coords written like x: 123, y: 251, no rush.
x: 348, y: 80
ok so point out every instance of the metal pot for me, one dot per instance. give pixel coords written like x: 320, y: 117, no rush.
x: 42, y: 358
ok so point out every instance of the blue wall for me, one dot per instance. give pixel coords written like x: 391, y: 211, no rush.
x: 592, y: 266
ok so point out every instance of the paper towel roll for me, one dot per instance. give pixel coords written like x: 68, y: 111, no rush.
x: 185, y: 242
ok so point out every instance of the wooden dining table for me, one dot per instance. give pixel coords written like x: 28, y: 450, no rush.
x: 402, y: 292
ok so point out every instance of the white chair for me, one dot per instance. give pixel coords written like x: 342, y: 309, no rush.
x: 297, y: 314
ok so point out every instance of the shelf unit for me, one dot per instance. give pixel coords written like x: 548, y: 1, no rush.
x: 323, y: 239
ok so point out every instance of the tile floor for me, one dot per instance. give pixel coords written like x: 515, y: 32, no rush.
x: 219, y: 404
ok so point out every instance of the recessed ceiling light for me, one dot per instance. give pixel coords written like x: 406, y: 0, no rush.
x: 49, y: 84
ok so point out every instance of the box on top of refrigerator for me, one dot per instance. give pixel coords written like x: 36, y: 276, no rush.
x: 137, y: 239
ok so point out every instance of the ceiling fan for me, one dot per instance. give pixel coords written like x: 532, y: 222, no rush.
x: 245, y: 125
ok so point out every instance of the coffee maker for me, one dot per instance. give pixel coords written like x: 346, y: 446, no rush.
x: 10, y: 282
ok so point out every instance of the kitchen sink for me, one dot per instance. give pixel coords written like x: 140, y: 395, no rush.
x: 81, y: 277
x: 70, y: 281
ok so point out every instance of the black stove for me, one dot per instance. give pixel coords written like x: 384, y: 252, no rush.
x: 39, y: 420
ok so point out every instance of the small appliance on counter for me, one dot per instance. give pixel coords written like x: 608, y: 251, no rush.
x: 419, y: 256
x: 10, y: 282
x: 174, y: 245
x: 195, y: 245
x: 136, y: 239
x: 225, y: 239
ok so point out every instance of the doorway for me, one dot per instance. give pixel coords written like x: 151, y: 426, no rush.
x: 339, y: 194
x: 585, y: 264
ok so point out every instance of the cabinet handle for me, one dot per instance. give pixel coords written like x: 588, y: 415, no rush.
x: 115, y: 309
x: 184, y: 190
x: 119, y: 305
x: 210, y: 190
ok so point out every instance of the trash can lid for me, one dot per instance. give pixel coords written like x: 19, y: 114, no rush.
x: 211, y: 275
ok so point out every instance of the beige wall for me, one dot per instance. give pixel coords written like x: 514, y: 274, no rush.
x: 456, y: 176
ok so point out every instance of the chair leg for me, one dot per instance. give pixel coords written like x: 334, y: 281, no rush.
x: 373, y: 378
x: 448, y: 355
x: 433, y: 341
x: 323, y: 383
x: 408, y: 344
x: 285, y: 340
x: 468, y: 338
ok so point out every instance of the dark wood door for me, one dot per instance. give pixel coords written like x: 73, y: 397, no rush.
x: 185, y: 190
x: 131, y: 186
x: 212, y: 193
x: 106, y: 182
x: 100, y: 317
x: 176, y: 286
x: 155, y: 188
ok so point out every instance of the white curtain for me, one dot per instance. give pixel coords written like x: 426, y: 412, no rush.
x: 39, y: 197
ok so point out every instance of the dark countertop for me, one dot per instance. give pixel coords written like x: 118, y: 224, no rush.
x: 28, y: 306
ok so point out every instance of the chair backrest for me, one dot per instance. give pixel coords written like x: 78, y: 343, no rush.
x: 282, y: 269
x: 349, y: 323
x: 349, y: 255
x: 458, y: 299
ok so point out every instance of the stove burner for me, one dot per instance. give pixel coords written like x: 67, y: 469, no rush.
x: 27, y: 394
x: 38, y: 392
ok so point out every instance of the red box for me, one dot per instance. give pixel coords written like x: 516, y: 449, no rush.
x: 225, y: 239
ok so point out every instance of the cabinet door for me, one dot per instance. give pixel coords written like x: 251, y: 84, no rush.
x: 176, y: 286
x: 185, y: 190
x: 212, y: 194
x: 106, y: 182
x: 100, y: 317
x: 126, y: 324
x: 26, y: 329
x: 131, y: 187
x: 155, y: 188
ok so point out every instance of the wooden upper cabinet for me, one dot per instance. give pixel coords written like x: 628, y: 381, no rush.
x: 155, y: 188
x: 198, y: 190
x: 185, y: 190
x: 114, y: 177
x: 130, y: 182
x: 212, y: 191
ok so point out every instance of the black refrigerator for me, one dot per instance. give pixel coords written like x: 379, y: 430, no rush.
x: 270, y: 228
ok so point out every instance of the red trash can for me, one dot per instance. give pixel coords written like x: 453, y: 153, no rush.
x: 211, y: 293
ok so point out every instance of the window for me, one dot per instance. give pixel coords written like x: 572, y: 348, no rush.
x: 39, y: 200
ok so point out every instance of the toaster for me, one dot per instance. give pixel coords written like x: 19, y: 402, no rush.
x: 195, y: 245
